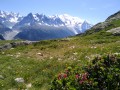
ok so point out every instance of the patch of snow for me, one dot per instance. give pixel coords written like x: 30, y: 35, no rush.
x: 28, y: 24
x: 14, y: 20
x: 2, y: 16
x: 3, y: 21
x: 39, y: 23
x: 70, y: 20
x: 36, y: 18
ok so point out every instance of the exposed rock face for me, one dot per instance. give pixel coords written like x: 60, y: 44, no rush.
x: 15, y: 44
x: 115, y: 31
x: 109, y: 22
x: 6, y: 46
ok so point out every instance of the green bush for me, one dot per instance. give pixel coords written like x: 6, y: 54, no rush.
x: 102, y: 74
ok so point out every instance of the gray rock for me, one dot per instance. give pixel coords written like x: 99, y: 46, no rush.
x: 6, y: 46
x: 1, y: 77
x: 15, y: 44
x: 115, y: 31
x: 19, y: 80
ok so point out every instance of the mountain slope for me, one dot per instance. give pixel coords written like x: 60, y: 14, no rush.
x: 1, y: 37
x: 6, y: 32
x: 111, y: 22
x: 115, y: 16
x: 43, y: 33
x: 55, y: 21
x: 4, y: 29
x: 49, y: 27
x: 56, y: 26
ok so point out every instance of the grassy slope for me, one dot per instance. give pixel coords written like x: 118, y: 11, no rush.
x: 39, y: 63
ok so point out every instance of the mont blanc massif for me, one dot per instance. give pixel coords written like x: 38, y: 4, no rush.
x: 39, y: 26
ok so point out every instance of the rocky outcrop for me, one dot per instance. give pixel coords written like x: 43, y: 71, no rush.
x: 15, y: 44
x: 115, y: 31
x: 111, y: 22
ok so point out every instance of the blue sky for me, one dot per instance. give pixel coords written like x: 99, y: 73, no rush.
x: 92, y: 10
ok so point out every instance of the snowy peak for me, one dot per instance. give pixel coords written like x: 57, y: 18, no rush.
x: 28, y: 19
x: 70, y: 20
x: 9, y: 19
x: 2, y: 13
x: 40, y: 26
x: 86, y: 25
x: 55, y: 21
x: 10, y: 15
x: 14, y: 20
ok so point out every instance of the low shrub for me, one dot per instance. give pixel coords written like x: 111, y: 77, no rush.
x: 102, y: 74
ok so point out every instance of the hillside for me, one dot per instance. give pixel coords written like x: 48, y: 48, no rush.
x: 111, y: 22
x: 37, y: 64
x: 34, y: 66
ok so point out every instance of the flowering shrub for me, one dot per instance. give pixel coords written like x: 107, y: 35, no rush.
x: 102, y: 74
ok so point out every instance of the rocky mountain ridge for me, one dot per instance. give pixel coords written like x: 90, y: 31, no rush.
x: 43, y: 26
x: 113, y: 21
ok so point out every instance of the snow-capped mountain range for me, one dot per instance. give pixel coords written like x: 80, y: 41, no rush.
x: 40, y: 26
x: 9, y: 19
